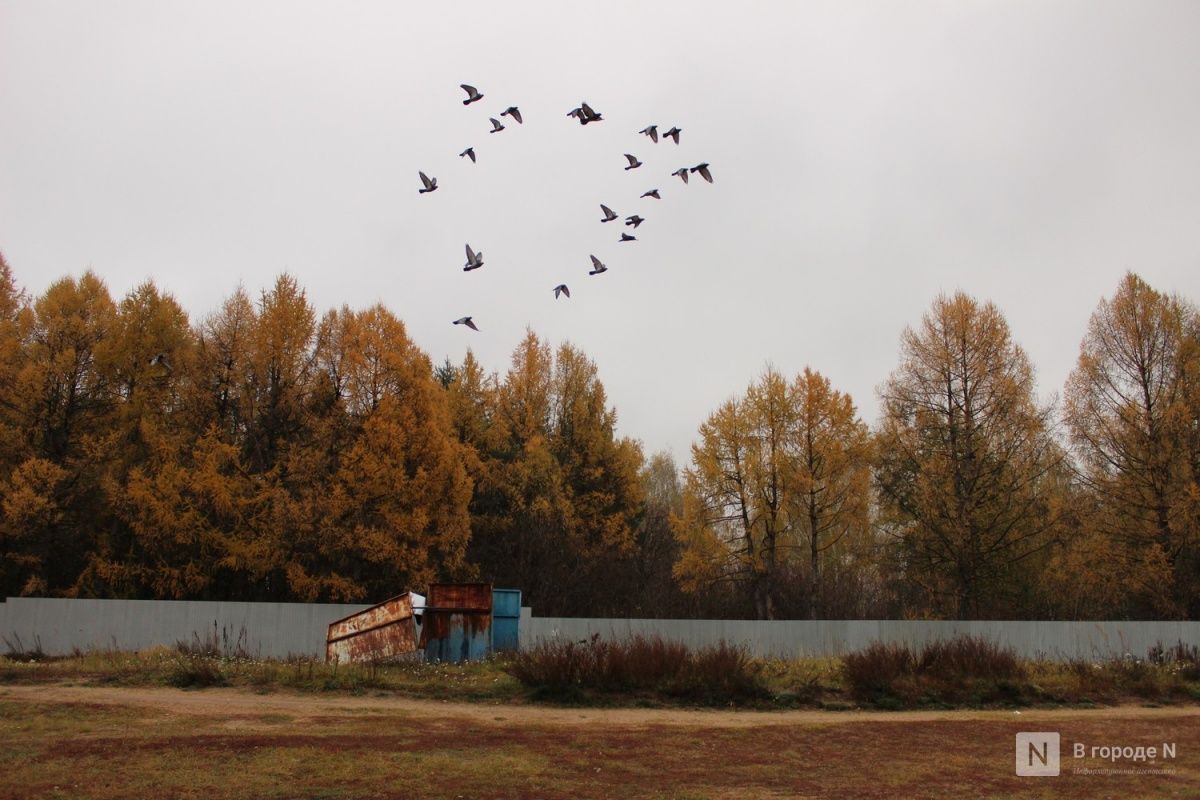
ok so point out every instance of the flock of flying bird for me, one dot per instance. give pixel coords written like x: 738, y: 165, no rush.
x: 586, y: 115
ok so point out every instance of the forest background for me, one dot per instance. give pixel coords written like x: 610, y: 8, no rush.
x: 270, y: 451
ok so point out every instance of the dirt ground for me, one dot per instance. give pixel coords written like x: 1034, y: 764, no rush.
x: 215, y: 743
x: 305, y: 707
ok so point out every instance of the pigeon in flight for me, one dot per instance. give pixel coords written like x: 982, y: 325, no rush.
x: 609, y: 216
x: 597, y: 267
x: 673, y: 134
x: 513, y: 112
x: 635, y: 220
x: 561, y: 289
x: 430, y: 183
x: 496, y: 126
x: 584, y: 114
x: 652, y: 193
x: 682, y: 172
x: 466, y: 321
x: 625, y: 237
x: 474, y: 260
x: 652, y: 132
x: 633, y: 162
x: 703, y: 170
x: 469, y: 153
x: 160, y: 360
x: 472, y: 94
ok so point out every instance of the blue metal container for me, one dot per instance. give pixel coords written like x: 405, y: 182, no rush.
x: 506, y: 619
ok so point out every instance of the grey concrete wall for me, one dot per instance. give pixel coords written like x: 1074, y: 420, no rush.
x: 1031, y: 639
x: 277, y: 630
x: 272, y: 630
x: 524, y: 626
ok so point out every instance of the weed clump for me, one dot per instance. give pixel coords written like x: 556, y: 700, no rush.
x: 1180, y: 658
x: 964, y: 670
x: 22, y: 651
x: 195, y: 672
x: 571, y: 670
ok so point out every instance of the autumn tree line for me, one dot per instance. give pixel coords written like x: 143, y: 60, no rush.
x: 269, y: 452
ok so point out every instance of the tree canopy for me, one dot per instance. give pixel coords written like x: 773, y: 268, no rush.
x: 270, y: 450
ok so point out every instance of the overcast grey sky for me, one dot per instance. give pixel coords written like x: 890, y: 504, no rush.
x: 866, y: 156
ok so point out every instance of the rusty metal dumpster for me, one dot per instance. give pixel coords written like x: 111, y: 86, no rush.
x: 457, y: 624
x: 385, y: 631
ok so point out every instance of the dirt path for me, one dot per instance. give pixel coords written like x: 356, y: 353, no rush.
x: 235, y: 744
x: 226, y: 702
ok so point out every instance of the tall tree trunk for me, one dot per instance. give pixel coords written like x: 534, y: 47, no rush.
x: 814, y: 554
x: 764, y: 607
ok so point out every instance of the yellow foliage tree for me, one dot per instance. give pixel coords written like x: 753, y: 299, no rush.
x: 63, y: 407
x: 15, y: 318
x: 967, y: 464
x: 148, y: 354
x: 1132, y: 413
x: 779, y: 477
x: 833, y: 464
x: 558, y: 494
x: 377, y: 493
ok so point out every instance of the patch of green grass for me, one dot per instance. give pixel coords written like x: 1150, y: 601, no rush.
x: 802, y: 681
x: 473, y: 681
x: 945, y: 677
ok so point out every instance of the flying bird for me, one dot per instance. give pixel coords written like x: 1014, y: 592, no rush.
x: 635, y: 220
x: 474, y: 260
x: 584, y: 114
x: 625, y: 237
x: 561, y: 289
x: 513, y: 112
x: 472, y: 94
x: 466, y: 321
x: 633, y: 162
x: 673, y: 134
x: 160, y: 360
x: 609, y: 216
x: 652, y: 132
x: 597, y: 267
x: 703, y: 170
x: 430, y: 183
x: 682, y: 172
x: 496, y: 126
x: 652, y: 193
x: 469, y: 153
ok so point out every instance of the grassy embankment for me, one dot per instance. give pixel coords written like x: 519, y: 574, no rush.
x: 964, y: 672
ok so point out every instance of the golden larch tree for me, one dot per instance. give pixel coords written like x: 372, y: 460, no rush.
x: 64, y: 408
x: 1131, y: 412
x: 779, y: 478
x: 966, y: 459
x: 833, y: 475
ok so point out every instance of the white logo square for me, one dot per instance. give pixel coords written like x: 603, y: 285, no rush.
x: 1037, y: 754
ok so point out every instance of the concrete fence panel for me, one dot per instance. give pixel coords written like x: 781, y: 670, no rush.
x: 789, y: 638
x: 278, y: 630
x: 265, y: 630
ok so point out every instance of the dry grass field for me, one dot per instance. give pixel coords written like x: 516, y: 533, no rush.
x: 71, y: 741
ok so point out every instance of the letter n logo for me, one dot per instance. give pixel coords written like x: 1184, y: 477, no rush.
x: 1037, y: 754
